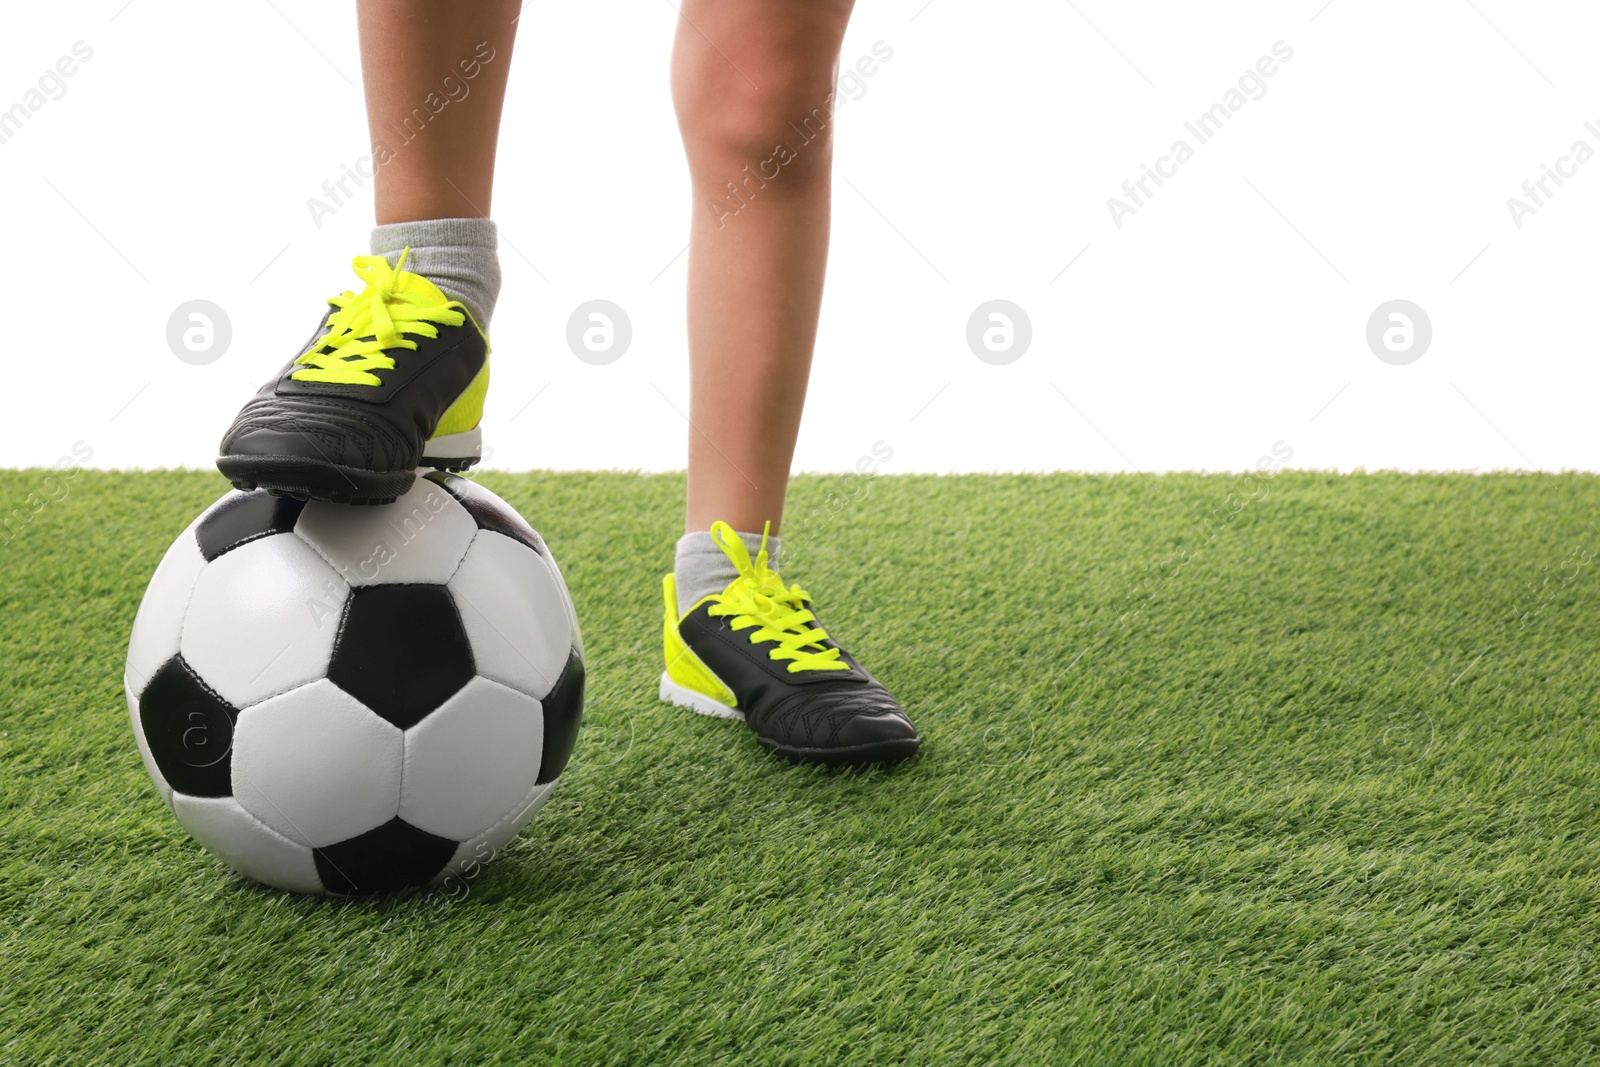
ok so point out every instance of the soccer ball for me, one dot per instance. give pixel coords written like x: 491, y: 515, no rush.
x: 341, y: 699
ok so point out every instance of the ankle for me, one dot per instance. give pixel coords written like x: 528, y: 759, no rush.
x: 702, y: 568
x: 458, y: 255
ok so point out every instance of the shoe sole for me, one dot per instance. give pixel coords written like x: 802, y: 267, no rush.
x: 320, y: 479
x: 860, y: 755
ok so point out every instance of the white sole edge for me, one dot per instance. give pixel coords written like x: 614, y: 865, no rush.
x: 673, y: 693
x: 464, y: 445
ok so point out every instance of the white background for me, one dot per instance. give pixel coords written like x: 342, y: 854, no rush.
x: 1228, y: 314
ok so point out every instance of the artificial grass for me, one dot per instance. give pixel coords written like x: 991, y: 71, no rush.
x: 1305, y: 778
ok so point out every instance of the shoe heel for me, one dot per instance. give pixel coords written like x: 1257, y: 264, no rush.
x: 454, y: 451
x: 684, y: 697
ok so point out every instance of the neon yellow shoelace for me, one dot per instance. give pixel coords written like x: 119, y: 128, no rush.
x: 389, y: 307
x: 757, y: 598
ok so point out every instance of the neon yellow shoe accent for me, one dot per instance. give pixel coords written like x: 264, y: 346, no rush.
x: 683, y: 666
x: 757, y: 598
x: 467, y: 410
x: 393, y: 304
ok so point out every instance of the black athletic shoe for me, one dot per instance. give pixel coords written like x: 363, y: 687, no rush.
x: 393, y: 380
x: 755, y: 652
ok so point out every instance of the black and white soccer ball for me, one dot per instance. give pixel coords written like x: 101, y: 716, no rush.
x: 339, y: 699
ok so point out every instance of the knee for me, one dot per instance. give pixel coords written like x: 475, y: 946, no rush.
x: 767, y: 112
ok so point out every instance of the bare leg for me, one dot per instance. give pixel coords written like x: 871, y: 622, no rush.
x: 435, y: 77
x: 752, y: 81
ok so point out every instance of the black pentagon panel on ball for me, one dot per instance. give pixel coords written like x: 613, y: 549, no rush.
x: 244, y: 518
x: 401, y: 650
x: 488, y: 511
x: 189, y: 729
x: 563, y: 714
x: 393, y: 856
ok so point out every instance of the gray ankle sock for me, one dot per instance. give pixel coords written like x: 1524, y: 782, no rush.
x: 702, y: 568
x: 457, y: 255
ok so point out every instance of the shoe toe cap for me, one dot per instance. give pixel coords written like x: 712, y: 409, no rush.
x: 266, y: 441
x: 876, y: 727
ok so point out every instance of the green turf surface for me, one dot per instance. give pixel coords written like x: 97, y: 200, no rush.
x: 1303, y: 778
